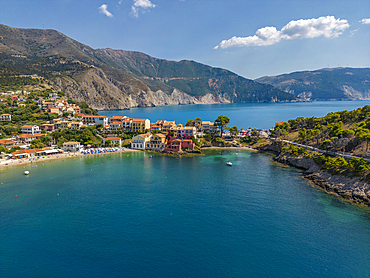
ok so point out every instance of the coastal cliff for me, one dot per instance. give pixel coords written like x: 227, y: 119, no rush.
x: 353, y: 189
x: 101, y: 93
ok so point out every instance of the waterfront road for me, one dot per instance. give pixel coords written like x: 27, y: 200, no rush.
x: 342, y: 154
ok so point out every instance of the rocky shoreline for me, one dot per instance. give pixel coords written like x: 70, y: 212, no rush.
x: 351, y: 189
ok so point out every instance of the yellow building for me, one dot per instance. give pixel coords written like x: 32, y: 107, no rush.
x: 157, y: 142
x: 208, y: 127
x: 76, y: 125
x: 62, y: 124
x: 140, y: 125
x: 168, y: 125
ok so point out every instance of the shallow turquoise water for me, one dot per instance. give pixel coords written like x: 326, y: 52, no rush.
x: 129, y: 215
x: 242, y: 115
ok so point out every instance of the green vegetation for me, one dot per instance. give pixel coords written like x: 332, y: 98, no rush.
x: 128, y: 71
x: 347, y: 131
x: 84, y: 107
x: 87, y: 135
x: 356, y: 166
x: 11, y: 83
x: 335, y: 133
x: 222, y: 122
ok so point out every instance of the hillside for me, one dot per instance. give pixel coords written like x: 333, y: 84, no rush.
x: 324, y: 84
x: 116, y: 79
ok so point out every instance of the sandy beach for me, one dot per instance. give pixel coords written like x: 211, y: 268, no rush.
x: 4, y: 163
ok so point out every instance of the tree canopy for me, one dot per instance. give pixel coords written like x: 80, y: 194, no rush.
x: 222, y: 122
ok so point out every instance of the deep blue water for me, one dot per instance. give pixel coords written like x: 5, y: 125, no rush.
x: 129, y: 215
x: 242, y: 115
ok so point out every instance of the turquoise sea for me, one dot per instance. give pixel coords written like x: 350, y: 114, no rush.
x: 132, y: 215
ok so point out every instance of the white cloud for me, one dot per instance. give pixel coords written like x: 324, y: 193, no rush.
x: 353, y: 32
x: 141, y: 5
x: 328, y: 27
x: 365, y: 21
x: 103, y: 9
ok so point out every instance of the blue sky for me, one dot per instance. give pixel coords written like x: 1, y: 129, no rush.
x: 251, y: 38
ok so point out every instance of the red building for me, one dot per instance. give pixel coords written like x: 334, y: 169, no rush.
x: 47, y: 127
x: 176, y: 145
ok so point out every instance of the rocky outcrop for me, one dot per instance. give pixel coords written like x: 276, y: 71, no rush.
x: 350, y: 188
x: 354, y: 94
x: 103, y: 93
x: 97, y: 90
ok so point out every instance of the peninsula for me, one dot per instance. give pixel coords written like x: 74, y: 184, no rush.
x: 332, y: 149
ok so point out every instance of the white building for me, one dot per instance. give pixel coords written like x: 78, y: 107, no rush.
x: 30, y: 129
x: 95, y: 120
x: 114, y: 141
x: 5, y: 118
x: 71, y: 146
x: 139, y: 141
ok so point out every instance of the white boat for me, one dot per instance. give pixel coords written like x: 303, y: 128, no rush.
x: 229, y: 163
x: 26, y: 172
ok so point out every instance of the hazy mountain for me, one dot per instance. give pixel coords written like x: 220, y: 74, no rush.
x: 116, y: 79
x: 324, y: 84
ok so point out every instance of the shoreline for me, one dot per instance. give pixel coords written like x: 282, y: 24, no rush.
x: 351, y: 189
x: 228, y: 148
x: 4, y: 164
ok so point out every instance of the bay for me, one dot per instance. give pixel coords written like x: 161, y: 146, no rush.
x: 242, y: 115
x: 132, y: 215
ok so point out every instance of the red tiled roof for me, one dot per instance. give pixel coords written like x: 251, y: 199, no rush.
x: 29, y: 135
x: 6, y: 142
x: 116, y: 123
x: 26, y: 151
x: 112, y: 138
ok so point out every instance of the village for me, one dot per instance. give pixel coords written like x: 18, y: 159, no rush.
x: 65, y: 129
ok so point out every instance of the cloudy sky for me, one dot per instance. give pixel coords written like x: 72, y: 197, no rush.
x: 252, y: 38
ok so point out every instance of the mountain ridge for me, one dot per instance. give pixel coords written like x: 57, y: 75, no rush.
x: 119, y: 79
x: 342, y: 83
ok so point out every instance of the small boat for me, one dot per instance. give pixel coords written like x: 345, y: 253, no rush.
x: 26, y: 172
x: 229, y: 163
